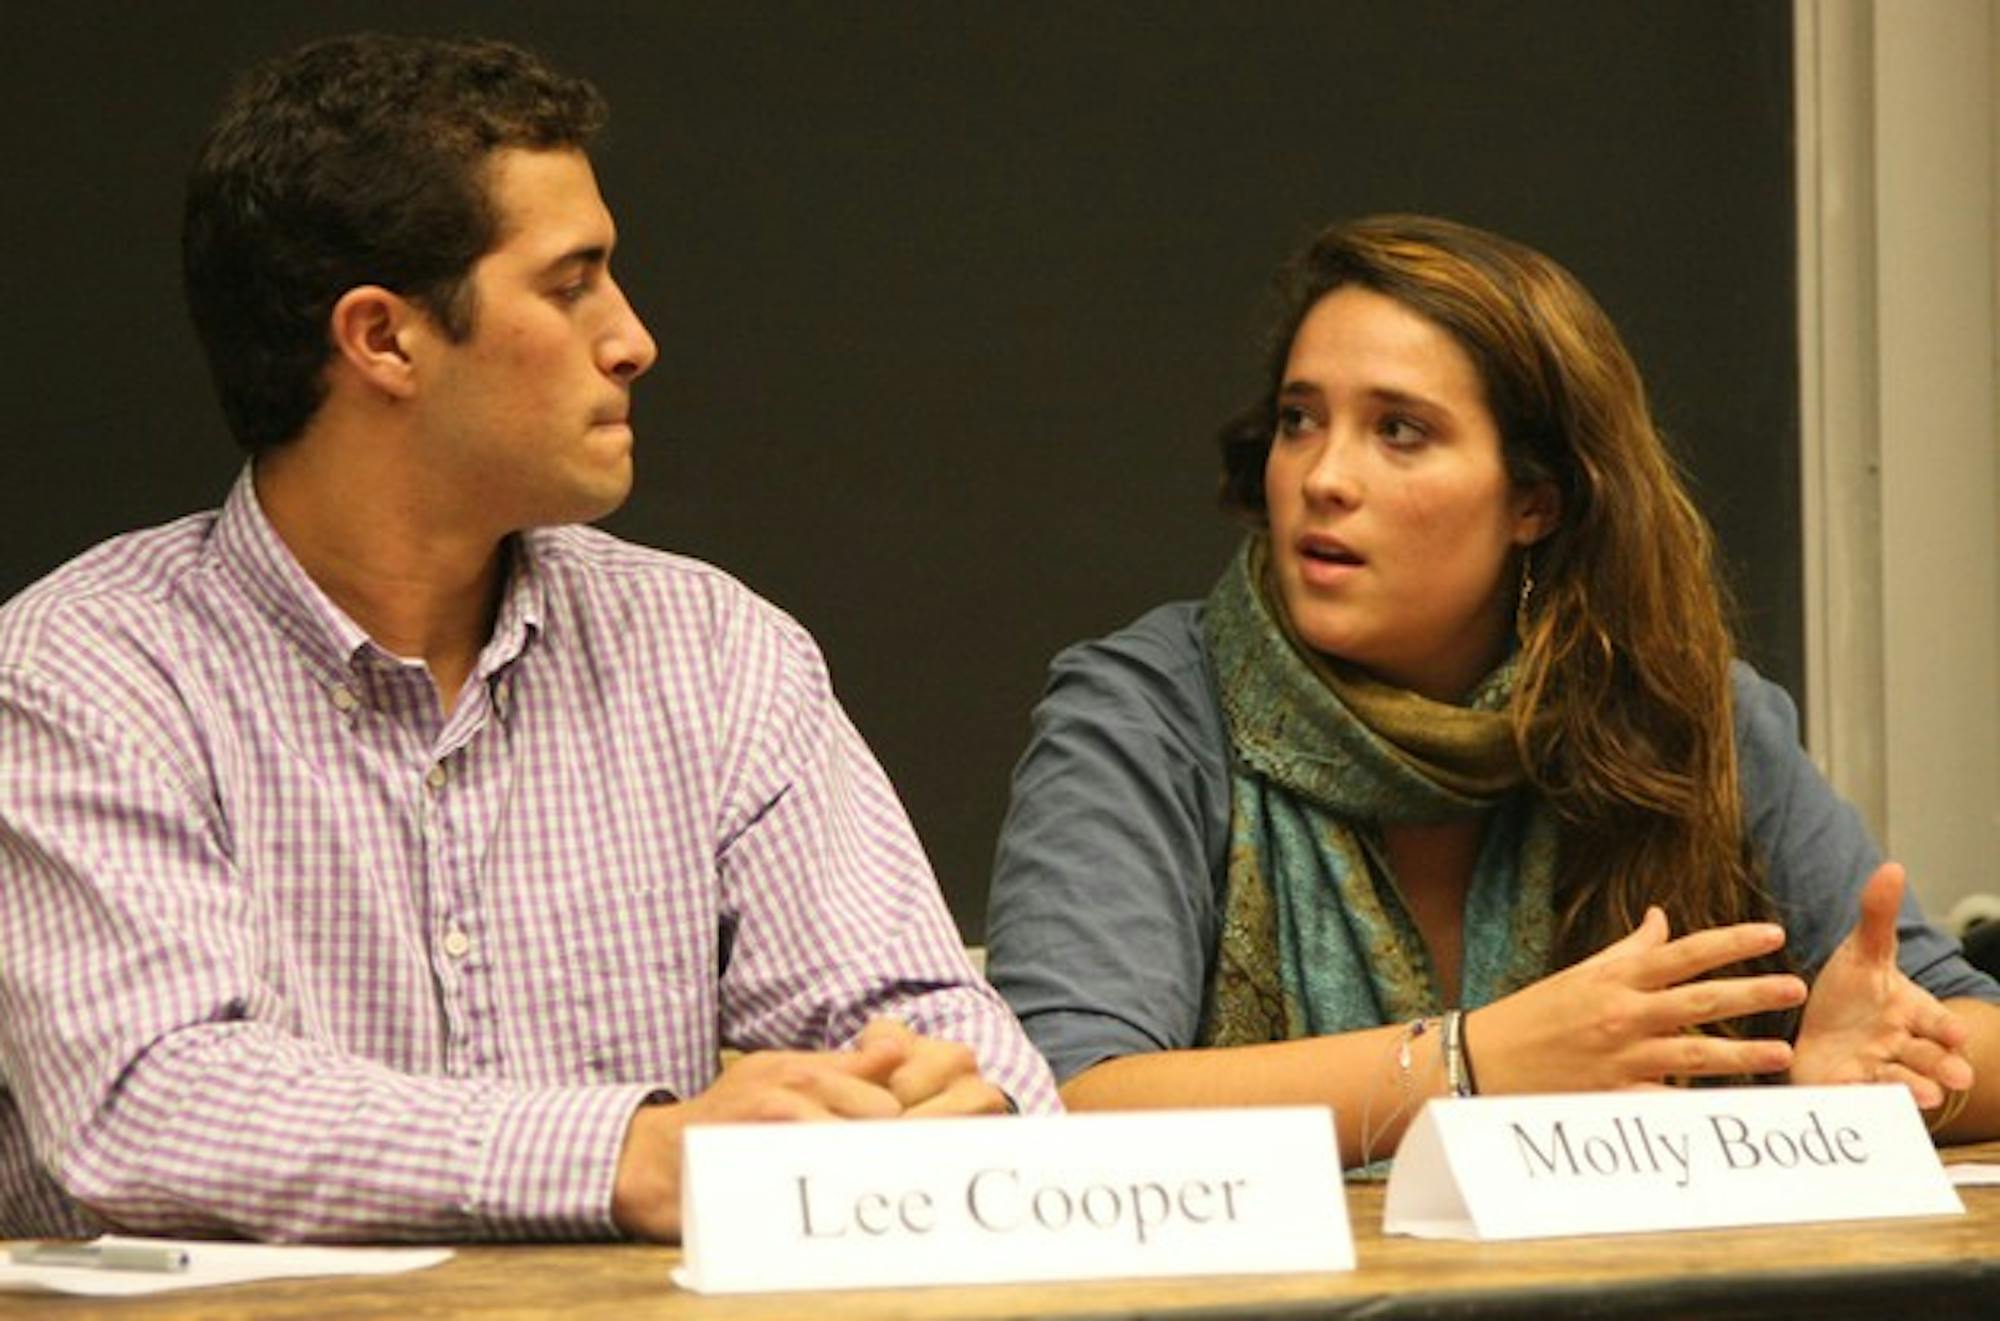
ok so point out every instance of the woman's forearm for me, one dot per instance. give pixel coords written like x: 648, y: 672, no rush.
x: 1375, y: 1080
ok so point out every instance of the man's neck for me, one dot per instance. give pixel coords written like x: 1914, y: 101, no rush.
x: 420, y: 590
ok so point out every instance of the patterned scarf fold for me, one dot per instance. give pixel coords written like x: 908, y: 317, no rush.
x: 1316, y: 937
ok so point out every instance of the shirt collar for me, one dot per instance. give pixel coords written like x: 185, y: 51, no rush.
x: 246, y: 542
x: 519, y: 621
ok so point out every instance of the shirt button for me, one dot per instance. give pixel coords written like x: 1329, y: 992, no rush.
x: 435, y: 776
x: 457, y: 943
x: 344, y: 699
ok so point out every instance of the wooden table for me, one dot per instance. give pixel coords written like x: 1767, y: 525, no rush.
x: 1933, y: 1269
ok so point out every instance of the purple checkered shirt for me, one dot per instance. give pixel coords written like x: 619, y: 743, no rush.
x: 286, y: 953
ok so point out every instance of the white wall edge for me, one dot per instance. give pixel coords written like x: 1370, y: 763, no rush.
x: 1833, y: 88
x: 1898, y: 160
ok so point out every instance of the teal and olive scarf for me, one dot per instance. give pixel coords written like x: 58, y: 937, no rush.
x: 1316, y: 938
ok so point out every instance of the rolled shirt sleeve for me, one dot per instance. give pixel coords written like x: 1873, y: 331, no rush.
x: 1104, y: 912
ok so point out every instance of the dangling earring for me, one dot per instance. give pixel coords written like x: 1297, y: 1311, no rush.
x: 1526, y: 599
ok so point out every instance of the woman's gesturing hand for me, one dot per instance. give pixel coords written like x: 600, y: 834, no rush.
x: 1621, y: 1017
x: 1867, y: 1022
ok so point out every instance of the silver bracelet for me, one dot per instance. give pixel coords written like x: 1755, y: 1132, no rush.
x: 1404, y: 1054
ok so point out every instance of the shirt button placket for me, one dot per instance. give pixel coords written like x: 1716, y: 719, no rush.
x: 455, y: 944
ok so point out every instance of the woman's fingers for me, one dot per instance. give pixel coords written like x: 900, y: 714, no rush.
x: 1700, y: 952
x: 1934, y: 1022
x: 1628, y: 1015
x: 1928, y: 1093
x: 1651, y: 933
x: 1696, y: 1055
x: 1719, y: 998
x: 1930, y: 1060
x: 1875, y: 930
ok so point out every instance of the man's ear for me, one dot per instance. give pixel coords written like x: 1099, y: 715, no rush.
x: 1537, y: 512
x: 372, y: 331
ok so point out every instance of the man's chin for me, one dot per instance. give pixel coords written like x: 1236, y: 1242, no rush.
x: 586, y: 502
x: 604, y: 489
x: 609, y: 504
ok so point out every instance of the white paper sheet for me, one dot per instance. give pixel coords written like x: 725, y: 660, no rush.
x: 212, y: 1263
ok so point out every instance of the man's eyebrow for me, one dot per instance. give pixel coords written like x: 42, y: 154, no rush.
x: 597, y: 254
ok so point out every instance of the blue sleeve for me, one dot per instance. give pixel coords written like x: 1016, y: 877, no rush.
x: 1818, y: 853
x: 1102, y: 921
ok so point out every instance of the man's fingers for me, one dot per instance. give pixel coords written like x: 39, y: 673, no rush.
x: 773, y: 1105
x: 967, y: 1095
x: 828, y: 1085
x: 882, y: 1047
x: 933, y: 1066
x: 885, y: 1031
x: 888, y: 1071
x: 789, y: 1085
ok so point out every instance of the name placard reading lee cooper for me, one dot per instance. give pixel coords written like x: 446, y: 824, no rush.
x: 984, y: 1200
x: 1524, y: 1167
x: 1001, y: 1200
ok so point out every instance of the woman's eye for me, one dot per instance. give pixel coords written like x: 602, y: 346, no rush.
x: 1294, y: 420
x: 1402, y: 432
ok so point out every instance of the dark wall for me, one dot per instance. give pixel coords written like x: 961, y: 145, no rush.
x: 950, y: 296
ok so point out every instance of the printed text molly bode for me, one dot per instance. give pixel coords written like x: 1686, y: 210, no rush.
x: 1628, y: 1147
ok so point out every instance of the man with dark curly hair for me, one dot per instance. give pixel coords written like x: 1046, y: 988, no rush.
x: 385, y: 855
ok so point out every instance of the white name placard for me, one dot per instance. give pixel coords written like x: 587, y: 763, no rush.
x: 970, y: 1201
x: 1618, y: 1162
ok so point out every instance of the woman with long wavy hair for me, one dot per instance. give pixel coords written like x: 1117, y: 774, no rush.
x: 1454, y: 782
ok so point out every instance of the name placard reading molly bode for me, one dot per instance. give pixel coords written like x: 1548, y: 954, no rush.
x: 1616, y: 1162
x: 980, y: 1201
